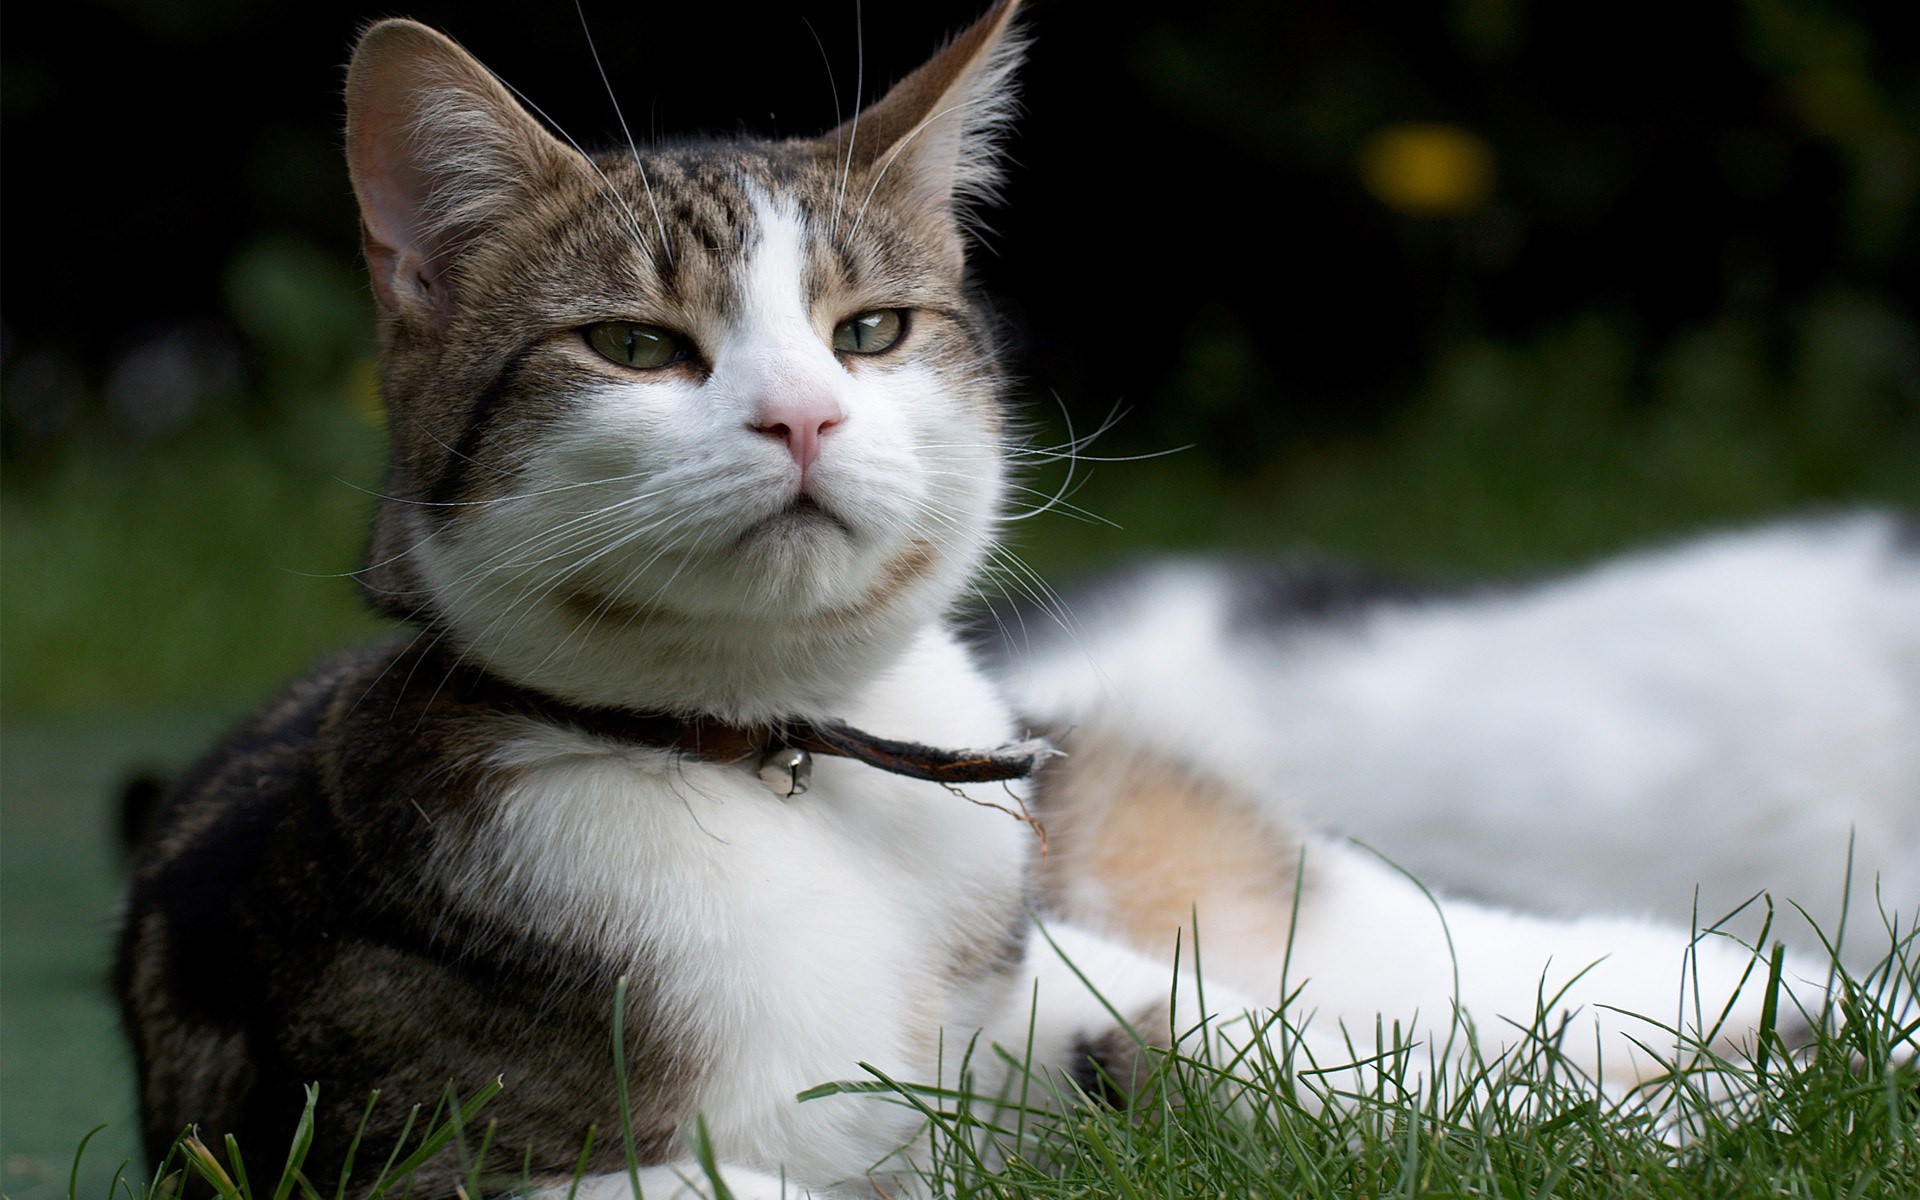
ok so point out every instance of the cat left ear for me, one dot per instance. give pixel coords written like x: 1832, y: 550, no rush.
x: 937, y: 133
x: 439, y: 151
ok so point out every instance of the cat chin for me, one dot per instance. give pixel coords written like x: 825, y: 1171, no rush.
x: 736, y: 669
x: 800, y: 543
x: 790, y: 628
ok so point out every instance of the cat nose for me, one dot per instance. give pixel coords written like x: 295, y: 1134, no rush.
x: 798, y: 418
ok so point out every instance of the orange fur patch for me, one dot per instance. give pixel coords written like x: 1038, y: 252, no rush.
x: 896, y: 575
x: 1141, y: 843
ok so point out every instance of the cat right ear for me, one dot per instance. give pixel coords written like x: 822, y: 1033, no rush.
x: 438, y: 150
x: 936, y: 135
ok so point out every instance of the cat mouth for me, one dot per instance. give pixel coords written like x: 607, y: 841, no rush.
x: 800, y: 516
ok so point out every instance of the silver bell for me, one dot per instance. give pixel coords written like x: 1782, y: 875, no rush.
x: 787, y: 770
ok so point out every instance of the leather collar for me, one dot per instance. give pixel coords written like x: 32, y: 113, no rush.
x: 718, y: 741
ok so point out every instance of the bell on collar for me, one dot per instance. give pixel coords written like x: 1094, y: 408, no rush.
x: 787, y: 770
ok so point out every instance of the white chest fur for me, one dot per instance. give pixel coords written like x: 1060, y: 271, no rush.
x: 795, y: 939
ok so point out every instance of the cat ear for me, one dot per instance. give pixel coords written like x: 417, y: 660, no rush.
x: 938, y: 132
x: 438, y: 150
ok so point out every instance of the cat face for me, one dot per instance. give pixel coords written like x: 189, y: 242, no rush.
x: 654, y: 411
x: 748, y: 424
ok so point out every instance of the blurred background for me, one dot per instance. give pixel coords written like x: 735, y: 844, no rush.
x: 1465, y: 286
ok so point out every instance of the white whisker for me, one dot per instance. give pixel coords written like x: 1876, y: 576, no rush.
x: 853, y: 133
x: 666, y: 245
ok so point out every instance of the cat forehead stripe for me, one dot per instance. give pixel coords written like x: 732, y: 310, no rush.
x: 773, y: 276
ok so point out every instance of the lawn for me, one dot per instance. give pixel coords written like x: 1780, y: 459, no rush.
x: 1830, y: 1120
x: 63, y: 1065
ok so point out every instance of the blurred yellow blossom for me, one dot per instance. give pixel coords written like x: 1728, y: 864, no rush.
x: 1426, y: 169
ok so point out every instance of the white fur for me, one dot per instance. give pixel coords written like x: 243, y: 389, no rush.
x: 1725, y: 714
x: 1620, y: 998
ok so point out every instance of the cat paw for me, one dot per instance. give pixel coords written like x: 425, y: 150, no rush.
x: 1727, y: 1001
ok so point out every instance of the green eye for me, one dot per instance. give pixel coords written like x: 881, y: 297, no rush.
x: 870, y: 332
x: 644, y: 347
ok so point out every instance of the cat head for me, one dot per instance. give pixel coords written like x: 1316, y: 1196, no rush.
x: 709, y: 427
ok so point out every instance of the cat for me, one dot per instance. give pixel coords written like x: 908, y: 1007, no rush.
x: 693, y: 453
x: 1672, y: 733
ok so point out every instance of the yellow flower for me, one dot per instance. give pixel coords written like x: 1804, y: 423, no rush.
x: 1425, y: 169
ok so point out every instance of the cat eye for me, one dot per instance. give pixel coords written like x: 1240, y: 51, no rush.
x: 870, y: 332
x: 644, y: 347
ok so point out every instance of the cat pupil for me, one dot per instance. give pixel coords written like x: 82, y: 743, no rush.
x: 870, y: 332
x: 630, y: 345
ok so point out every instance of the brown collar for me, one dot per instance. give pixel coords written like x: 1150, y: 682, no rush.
x: 781, y: 753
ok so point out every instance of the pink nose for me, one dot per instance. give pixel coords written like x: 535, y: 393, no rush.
x: 798, y: 419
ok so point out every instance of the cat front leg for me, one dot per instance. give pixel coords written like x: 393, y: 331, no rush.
x: 1623, y: 999
x: 1096, y: 1013
x: 1147, y: 844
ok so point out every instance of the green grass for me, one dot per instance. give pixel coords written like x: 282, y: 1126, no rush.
x: 64, y: 1065
x: 1838, y: 1118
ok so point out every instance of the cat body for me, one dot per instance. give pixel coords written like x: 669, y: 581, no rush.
x: 1667, y: 734
x: 436, y: 881
x: 709, y: 439
x: 430, y: 864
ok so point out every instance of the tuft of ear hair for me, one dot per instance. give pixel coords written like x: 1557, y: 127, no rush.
x: 937, y: 134
x: 438, y: 150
